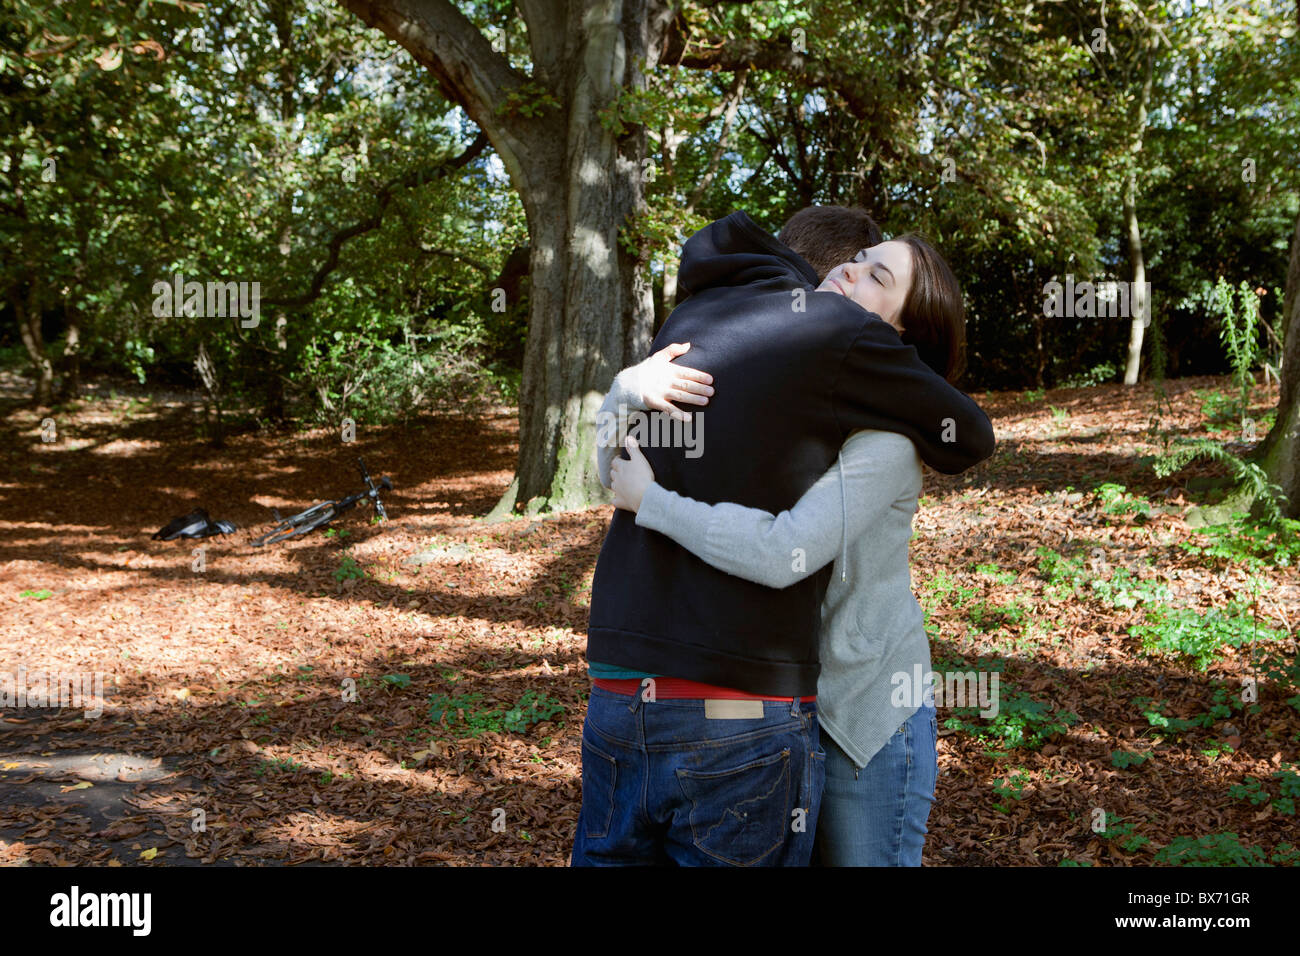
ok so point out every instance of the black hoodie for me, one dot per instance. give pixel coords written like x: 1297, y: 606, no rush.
x: 790, y: 387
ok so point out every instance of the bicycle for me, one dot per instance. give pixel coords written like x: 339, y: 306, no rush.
x: 319, y: 515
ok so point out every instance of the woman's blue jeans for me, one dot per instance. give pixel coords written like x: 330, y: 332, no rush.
x: 665, y: 783
x: 877, y: 816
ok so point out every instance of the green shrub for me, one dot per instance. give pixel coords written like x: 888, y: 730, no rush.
x: 1251, y: 790
x: 533, y: 708
x: 1252, y: 482
x: 1223, y: 704
x: 348, y: 568
x: 1066, y: 577
x: 943, y: 588
x: 1097, y: 375
x: 1020, y: 722
x: 1123, y: 589
x: 1253, y: 545
x: 1289, y: 790
x: 1122, y: 834
x: 1215, y: 849
x: 363, y: 375
x: 1123, y: 759
x: 1289, y: 786
x: 1011, y: 787
x: 1286, y: 855
x: 462, y: 712
x: 996, y: 573
x: 1218, y: 408
x: 283, y: 765
x: 1239, y: 335
x: 1116, y: 500
x: 989, y: 617
x: 1199, y: 635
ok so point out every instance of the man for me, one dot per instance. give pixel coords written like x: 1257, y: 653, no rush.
x: 700, y: 745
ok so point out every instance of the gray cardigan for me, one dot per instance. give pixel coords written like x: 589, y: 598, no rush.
x: 872, y: 637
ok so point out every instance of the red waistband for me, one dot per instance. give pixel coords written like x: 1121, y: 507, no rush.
x: 674, y: 688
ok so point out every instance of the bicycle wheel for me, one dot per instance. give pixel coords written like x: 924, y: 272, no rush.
x: 275, y: 534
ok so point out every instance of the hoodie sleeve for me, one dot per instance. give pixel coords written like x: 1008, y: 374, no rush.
x: 883, y: 384
x: 874, y: 470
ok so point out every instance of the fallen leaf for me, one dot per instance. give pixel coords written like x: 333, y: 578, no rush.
x: 110, y: 59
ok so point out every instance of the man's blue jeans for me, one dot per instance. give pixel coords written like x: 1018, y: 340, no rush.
x: 877, y: 816
x: 662, y: 784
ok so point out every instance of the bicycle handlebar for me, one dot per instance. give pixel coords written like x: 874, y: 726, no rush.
x: 372, y: 490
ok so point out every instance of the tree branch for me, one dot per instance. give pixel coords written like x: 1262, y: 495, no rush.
x: 775, y: 55
x: 369, y: 224
x: 547, y: 37
x: 459, y: 257
x: 730, y: 104
x: 461, y: 59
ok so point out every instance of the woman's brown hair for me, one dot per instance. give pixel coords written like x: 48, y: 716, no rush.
x: 933, y: 314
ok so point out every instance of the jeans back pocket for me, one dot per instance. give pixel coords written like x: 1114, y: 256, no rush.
x: 741, y: 814
x: 599, y: 777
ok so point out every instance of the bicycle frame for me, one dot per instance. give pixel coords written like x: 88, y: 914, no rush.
x: 319, y: 515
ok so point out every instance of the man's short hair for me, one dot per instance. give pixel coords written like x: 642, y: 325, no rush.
x: 828, y: 235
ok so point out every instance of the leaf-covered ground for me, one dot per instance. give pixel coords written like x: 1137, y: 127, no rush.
x: 227, y: 687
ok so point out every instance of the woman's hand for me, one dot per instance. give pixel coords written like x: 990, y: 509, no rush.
x: 630, y: 479
x: 662, y: 382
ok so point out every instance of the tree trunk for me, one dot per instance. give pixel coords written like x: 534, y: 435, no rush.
x: 1280, y: 452
x: 1283, y: 460
x: 1140, y: 308
x: 1138, y: 303
x: 71, y: 383
x: 580, y: 184
x: 590, y: 310
x: 27, y: 310
x: 207, y: 370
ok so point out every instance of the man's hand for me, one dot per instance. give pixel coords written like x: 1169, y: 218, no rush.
x: 662, y: 382
x: 631, y: 478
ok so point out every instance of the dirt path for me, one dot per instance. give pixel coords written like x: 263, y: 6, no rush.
x: 414, y: 693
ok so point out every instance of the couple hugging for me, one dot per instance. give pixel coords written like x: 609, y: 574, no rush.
x: 753, y: 591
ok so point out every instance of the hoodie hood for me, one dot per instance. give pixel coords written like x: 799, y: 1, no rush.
x: 736, y: 251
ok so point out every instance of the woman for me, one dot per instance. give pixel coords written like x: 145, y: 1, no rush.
x: 881, y: 755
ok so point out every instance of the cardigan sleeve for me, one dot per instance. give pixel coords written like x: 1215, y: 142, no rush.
x: 874, y: 469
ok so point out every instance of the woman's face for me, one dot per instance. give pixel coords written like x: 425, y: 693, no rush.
x: 877, y: 279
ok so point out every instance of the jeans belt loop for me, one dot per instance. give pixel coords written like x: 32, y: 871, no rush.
x: 794, y: 707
